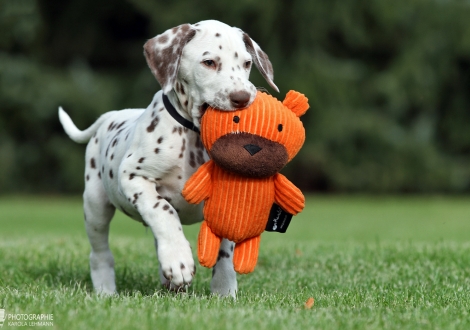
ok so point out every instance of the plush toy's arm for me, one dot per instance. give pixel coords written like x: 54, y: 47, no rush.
x: 288, y: 196
x: 199, y: 185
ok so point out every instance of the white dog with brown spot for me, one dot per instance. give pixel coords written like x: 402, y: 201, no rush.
x: 138, y: 160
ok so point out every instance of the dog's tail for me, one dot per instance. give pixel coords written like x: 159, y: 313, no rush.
x: 74, y: 133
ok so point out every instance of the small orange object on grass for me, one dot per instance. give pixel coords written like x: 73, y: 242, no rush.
x: 309, y: 303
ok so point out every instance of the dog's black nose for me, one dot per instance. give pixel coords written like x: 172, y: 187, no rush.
x: 252, y: 148
x: 239, y: 99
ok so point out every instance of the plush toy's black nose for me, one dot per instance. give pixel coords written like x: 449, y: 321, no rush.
x: 252, y: 148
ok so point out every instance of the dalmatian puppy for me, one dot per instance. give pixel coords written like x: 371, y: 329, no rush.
x: 138, y: 160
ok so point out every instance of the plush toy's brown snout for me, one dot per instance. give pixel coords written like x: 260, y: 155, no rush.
x: 249, y: 155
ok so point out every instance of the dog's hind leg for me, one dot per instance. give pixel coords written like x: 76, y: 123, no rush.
x: 224, y: 278
x: 98, y: 214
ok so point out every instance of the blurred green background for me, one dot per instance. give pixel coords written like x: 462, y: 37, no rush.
x: 388, y: 84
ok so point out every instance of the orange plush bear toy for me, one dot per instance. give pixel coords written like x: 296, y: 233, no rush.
x: 240, y: 183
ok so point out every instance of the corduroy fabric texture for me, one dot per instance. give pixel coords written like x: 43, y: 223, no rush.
x: 237, y: 205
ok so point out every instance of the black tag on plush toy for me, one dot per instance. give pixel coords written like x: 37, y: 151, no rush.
x: 278, y: 220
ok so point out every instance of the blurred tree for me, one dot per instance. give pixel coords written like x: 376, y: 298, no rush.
x: 388, y: 83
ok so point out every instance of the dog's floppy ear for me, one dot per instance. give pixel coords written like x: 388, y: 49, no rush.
x: 261, y: 60
x: 163, y: 54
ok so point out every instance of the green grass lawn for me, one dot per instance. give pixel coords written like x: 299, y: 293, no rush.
x: 369, y: 263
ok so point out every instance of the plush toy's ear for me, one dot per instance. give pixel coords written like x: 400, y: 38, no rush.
x: 297, y: 102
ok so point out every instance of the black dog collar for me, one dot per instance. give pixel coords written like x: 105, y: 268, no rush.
x: 180, y: 119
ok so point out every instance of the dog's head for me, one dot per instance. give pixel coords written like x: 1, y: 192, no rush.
x: 207, y: 64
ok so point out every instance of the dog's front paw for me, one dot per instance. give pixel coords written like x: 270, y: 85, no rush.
x: 176, y: 264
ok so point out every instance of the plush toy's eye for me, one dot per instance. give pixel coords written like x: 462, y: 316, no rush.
x: 236, y: 119
x: 279, y: 127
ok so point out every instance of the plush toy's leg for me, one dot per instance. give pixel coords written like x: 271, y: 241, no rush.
x: 208, y: 245
x: 246, y: 255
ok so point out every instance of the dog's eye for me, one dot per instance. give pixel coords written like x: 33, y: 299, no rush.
x: 236, y: 119
x: 279, y: 127
x: 209, y: 64
x: 247, y: 64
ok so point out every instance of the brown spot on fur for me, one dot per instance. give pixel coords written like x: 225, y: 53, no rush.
x: 111, y: 174
x: 120, y: 125
x: 192, y: 160
x: 157, y: 150
x: 92, y: 163
x: 200, y: 157
x: 199, y: 144
x: 166, y: 207
x: 162, y: 39
x: 153, y: 124
x: 136, y: 197
x: 160, y: 140
x: 141, y: 160
x: 131, y: 176
x: 223, y: 254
